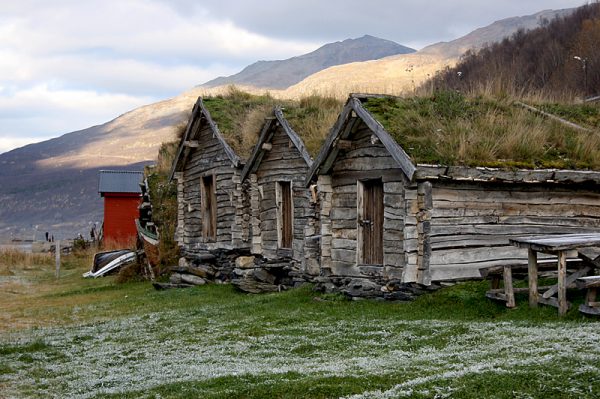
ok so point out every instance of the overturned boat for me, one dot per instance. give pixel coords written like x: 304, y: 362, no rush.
x: 110, y: 261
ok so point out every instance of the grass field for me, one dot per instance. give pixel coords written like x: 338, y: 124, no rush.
x: 97, y: 339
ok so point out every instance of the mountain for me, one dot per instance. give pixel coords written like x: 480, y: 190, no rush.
x: 402, y: 73
x: 284, y: 73
x: 53, y: 184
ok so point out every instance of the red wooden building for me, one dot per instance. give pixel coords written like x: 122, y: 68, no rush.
x: 122, y: 196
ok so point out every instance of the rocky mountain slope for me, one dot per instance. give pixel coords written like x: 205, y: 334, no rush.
x: 281, y: 74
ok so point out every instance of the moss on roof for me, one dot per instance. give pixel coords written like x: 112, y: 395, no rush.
x: 311, y: 118
x: 450, y: 129
x: 240, y: 117
x: 234, y: 111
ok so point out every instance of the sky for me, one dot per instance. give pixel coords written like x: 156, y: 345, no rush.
x: 67, y: 65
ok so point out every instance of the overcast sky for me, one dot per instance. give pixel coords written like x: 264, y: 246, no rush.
x: 70, y: 64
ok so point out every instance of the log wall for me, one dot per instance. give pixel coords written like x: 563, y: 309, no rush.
x: 439, y: 229
x: 283, y: 162
x: 233, y: 220
x: 366, y: 158
x: 472, y: 222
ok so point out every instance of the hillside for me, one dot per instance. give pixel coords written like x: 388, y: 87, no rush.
x: 54, y: 184
x: 559, y: 59
x: 281, y: 74
x: 402, y: 73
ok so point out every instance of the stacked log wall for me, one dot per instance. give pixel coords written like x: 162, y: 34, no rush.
x: 471, y: 222
x: 210, y: 158
x: 366, y: 158
x: 283, y: 162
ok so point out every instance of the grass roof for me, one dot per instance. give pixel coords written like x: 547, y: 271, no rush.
x: 450, y: 129
x: 240, y: 117
x: 311, y: 118
x: 237, y: 115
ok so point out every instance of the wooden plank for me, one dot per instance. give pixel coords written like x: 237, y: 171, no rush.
x: 557, y: 243
x: 562, y: 286
x: 532, y: 278
x: 587, y: 282
x: 508, y: 287
x: 392, y: 146
x: 569, y: 280
x: 583, y: 308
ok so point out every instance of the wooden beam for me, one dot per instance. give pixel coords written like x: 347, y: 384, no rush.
x: 570, y: 280
x: 533, y: 277
x: 267, y: 146
x: 397, y: 152
x: 344, y: 144
x: 508, y: 287
x: 191, y: 143
x: 562, y: 286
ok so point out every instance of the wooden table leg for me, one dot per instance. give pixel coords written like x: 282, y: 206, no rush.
x: 508, y: 287
x: 562, y: 283
x: 532, y: 272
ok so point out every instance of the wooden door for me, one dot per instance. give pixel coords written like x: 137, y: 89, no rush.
x: 209, y: 208
x: 371, y: 222
x: 285, y: 215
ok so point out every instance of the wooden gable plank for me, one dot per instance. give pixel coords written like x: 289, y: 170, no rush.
x: 258, y: 152
x: 327, y: 147
x: 399, y: 155
x: 341, y: 131
x: 235, y: 160
x: 183, y: 151
x: 293, y: 136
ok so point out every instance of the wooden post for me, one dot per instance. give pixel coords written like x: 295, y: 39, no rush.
x: 532, y: 272
x: 508, y: 287
x: 57, y: 257
x: 562, y: 284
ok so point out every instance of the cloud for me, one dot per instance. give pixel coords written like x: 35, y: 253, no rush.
x: 42, y: 112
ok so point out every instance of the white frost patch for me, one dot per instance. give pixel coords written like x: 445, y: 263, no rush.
x: 138, y: 353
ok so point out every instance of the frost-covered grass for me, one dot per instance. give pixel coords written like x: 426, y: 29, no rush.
x: 213, y: 342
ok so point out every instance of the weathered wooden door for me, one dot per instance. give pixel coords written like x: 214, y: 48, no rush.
x: 371, y: 222
x: 209, y: 208
x: 285, y: 215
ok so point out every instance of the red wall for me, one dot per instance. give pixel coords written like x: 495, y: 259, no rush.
x: 120, y: 212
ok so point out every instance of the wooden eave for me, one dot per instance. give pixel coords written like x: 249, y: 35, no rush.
x: 342, y: 129
x: 498, y: 175
x: 201, y: 114
x: 266, y: 136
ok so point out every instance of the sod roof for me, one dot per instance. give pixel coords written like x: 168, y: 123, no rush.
x: 240, y: 116
x: 450, y: 129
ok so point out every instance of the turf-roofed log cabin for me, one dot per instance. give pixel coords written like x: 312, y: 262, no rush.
x: 213, y: 205
x: 285, y: 212
x: 431, y: 189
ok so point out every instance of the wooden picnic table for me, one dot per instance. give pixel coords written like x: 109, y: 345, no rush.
x: 563, y: 246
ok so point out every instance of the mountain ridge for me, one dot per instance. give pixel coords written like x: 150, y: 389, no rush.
x: 280, y: 74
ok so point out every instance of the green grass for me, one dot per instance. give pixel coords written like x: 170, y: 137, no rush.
x: 586, y: 115
x: 99, y: 339
x: 451, y: 129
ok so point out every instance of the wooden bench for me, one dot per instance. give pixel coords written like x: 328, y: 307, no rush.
x: 508, y: 273
x: 590, y: 306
